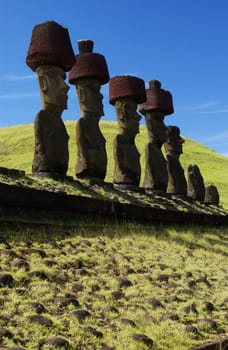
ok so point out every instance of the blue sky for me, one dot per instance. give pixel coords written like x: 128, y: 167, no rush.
x: 182, y: 43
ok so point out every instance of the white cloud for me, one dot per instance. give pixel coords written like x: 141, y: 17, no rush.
x: 199, y: 107
x: 20, y: 95
x: 215, y: 111
x: 219, y: 137
x: 11, y: 77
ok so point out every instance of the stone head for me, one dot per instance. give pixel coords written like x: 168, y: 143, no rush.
x: 156, y: 128
x: 127, y: 116
x: 174, y: 142
x: 90, y: 98
x: 53, y: 87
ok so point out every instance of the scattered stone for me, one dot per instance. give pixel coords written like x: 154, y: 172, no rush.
x: 39, y: 319
x: 5, y: 333
x: 40, y: 252
x: 9, y: 252
x: 171, y: 316
x: 176, y: 275
x: 94, y: 332
x: 112, y: 309
x: 172, y: 299
x: 189, y: 274
x: 142, y: 338
x: 203, y: 279
x: 154, y: 302
x: 186, y: 291
x: 38, y: 307
x: 210, y: 323
x: 128, y: 322
x: 20, y: 264
x: 55, y: 341
x: 191, y: 308
x: 191, y: 329
x: 106, y: 347
x: 82, y: 272
x: 40, y: 274
x: 49, y: 263
x: 77, y: 287
x: 81, y: 314
x: 221, y: 344
x: 6, y: 280
x: 163, y: 277
x: 118, y: 295
x: 208, y: 306
x: 124, y: 282
x: 64, y: 301
x: 191, y: 283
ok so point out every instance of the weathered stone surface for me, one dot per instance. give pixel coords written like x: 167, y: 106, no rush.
x: 142, y: 338
x: 57, y: 342
x: 177, y: 184
x: 88, y: 64
x: 94, y: 332
x: 50, y: 44
x: 88, y: 74
x: 196, y: 188
x: 51, y: 144
x: 5, y: 333
x: 125, y: 92
x: 82, y: 315
x: 156, y: 175
x: 6, y: 280
x: 39, y: 319
x: 211, y: 195
x: 158, y: 100
x: 50, y: 54
x: 221, y: 344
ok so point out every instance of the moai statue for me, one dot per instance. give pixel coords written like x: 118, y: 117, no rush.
x: 50, y: 55
x: 158, y: 104
x: 88, y: 74
x: 177, y: 184
x: 125, y: 92
x: 211, y: 195
x: 196, y: 188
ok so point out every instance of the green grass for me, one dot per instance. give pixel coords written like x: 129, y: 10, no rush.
x: 17, y: 146
x: 119, y: 271
x: 177, y: 267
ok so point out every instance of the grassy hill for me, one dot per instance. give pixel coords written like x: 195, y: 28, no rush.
x: 102, y: 285
x: 17, y: 145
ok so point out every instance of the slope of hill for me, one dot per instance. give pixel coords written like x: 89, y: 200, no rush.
x: 17, y: 145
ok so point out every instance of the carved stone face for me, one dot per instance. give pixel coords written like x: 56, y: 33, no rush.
x: 89, y: 96
x: 156, y: 128
x: 53, y: 87
x: 174, y: 141
x: 128, y: 118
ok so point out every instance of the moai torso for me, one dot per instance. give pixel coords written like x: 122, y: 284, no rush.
x: 51, y: 58
x: 196, y: 188
x: 127, y: 169
x: 125, y: 93
x: 51, y: 144
x: 156, y: 176
x: 91, y: 151
x: 177, y: 184
x: 88, y: 74
x: 157, y: 105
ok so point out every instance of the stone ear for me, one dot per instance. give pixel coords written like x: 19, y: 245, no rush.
x: 81, y: 95
x: 43, y: 83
